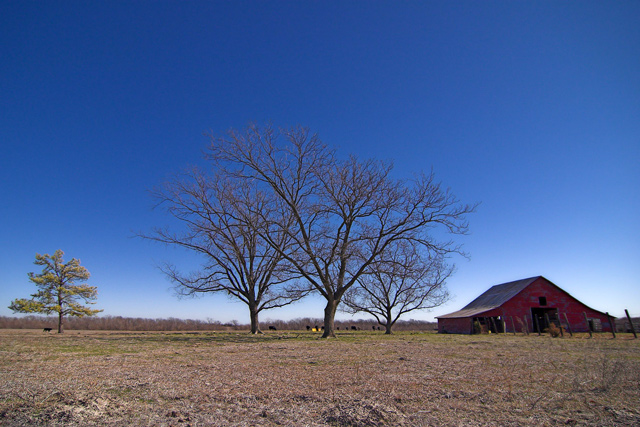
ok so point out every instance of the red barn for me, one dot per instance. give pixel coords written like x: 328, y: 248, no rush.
x: 534, y: 302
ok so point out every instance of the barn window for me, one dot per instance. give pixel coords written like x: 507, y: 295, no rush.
x: 543, y: 300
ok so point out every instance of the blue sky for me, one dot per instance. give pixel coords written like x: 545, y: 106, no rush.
x: 531, y: 108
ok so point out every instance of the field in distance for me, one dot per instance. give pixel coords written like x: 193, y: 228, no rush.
x: 293, y: 378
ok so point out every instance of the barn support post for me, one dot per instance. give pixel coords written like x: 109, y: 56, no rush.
x: 537, y: 324
x: 513, y: 325
x: 633, y: 329
x: 586, y: 319
x: 473, y: 325
x: 566, y: 319
x: 611, y: 324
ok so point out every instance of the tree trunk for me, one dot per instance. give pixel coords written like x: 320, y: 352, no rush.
x: 388, y: 328
x: 255, y: 324
x: 60, y: 323
x: 389, y: 321
x: 329, y: 316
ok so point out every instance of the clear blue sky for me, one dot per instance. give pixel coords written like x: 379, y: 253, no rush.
x: 532, y: 108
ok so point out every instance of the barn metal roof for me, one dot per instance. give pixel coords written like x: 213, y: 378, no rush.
x: 492, y: 298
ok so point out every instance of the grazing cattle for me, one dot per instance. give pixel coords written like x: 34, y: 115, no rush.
x: 353, y: 328
x: 272, y: 328
x: 317, y: 328
x: 308, y: 328
x: 374, y: 327
x: 46, y: 330
x: 322, y: 327
x: 337, y: 328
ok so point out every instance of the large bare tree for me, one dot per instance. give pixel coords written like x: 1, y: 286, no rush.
x: 340, y: 215
x: 404, y: 279
x: 222, y: 220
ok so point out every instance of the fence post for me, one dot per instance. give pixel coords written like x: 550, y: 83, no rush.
x: 560, y: 325
x: 513, y: 325
x: 611, y: 324
x: 586, y: 319
x: 633, y: 329
x: 526, y: 325
x: 568, y: 324
x: 546, y: 317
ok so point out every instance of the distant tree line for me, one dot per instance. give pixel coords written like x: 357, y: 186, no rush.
x: 118, y: 323
x: 360, y: 325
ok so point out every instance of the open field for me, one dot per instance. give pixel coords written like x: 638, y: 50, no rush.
x: 360, y: 379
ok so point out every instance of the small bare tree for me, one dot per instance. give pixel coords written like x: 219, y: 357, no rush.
x: 401, y: 281
x: 223, y: 219
x: 340, y: 216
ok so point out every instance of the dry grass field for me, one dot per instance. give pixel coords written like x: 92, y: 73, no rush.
x: 360, y: 379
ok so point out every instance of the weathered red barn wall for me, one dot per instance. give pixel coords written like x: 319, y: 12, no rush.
x: 455, y: 326
x: 521, y: 304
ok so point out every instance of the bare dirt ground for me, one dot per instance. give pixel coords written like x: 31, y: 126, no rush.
x: 360, y: 379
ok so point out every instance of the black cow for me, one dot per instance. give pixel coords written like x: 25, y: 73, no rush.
x: 46, y: 330
x: 272, y: 328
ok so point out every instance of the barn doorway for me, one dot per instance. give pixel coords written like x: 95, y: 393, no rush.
x: 484, y: 325
x: 542, y: 317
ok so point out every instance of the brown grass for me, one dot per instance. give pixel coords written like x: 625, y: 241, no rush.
x: 360, y: 379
